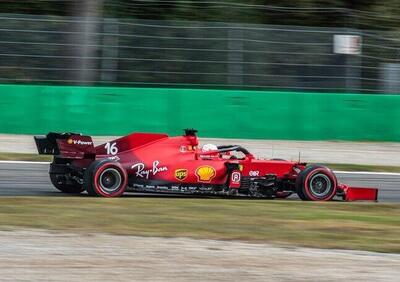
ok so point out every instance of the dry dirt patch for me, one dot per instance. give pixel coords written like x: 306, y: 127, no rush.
x: 32, y: 255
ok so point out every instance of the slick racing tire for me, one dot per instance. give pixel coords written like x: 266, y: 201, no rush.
x: 105, y: 178
x: 316, y: 183
x: 58, y: 182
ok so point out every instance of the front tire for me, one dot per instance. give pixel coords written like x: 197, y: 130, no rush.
x: 105, y: 178
x: 316, y: 183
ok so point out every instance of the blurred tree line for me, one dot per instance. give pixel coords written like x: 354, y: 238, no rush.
x: 82, y: 46
x: 377, y: 14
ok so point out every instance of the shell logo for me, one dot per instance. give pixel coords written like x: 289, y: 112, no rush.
x: 69, y: 141
x: 205, y: 173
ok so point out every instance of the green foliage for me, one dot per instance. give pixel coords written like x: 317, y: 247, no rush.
x: 41, y: 7
x: 338, y: 13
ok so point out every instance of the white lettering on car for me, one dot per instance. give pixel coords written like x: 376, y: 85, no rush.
x: 114, y: 158
x: 79, y: 142
x: 254, y: 173
x: 111, y: 148
x: 145, y: 173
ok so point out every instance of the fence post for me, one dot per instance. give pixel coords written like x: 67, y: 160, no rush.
x: 109, y: 50
x: 235, y: 56
x: 83, y: 39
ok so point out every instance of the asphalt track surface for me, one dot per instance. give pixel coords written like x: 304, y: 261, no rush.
x: 31, y: 179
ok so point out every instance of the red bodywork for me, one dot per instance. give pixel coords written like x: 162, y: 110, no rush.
x: 168, y: 158
x: 176, y: 164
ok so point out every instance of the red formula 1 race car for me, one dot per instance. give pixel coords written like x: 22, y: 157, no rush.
x: 147, y: 162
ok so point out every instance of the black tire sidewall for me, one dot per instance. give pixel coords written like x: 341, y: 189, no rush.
x: 89, y: 181
x: 301, y: 184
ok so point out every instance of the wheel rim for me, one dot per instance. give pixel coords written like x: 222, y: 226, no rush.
x: 110, y: 180
x: 320, y: 185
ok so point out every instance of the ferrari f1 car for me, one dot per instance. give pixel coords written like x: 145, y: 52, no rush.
x: 147, y: 162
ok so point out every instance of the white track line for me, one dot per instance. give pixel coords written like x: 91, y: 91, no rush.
x: 23, y: 162
x: 336, y: 171
x: 368, y: 173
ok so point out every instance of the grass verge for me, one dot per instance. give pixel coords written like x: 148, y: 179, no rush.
x: 25, y: 157
x: 362, y: 226
x: 356, y: 167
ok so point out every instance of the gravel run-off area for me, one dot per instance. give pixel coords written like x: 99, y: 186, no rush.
x: 39, y: 255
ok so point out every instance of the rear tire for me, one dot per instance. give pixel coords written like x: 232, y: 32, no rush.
x: 105, y: 178
x: 316, y: 183
x: 61, y: 185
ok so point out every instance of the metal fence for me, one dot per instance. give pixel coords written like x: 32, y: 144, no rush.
x: 65, y: 51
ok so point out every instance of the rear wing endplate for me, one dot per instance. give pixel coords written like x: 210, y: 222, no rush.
x: 66, y: 145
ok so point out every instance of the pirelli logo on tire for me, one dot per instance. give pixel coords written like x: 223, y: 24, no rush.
x: 181, y: 174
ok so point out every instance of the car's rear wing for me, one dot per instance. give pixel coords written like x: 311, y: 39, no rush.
x: 66, y: 145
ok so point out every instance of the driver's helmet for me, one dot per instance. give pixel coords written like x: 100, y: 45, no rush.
x: 209, y: 147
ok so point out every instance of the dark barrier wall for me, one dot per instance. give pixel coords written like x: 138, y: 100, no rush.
x: 26, y: 109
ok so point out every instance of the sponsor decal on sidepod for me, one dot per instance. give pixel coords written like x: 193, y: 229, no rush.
x: 254, y: 173
x: 181, y: 174
x: 205, y: 173
x: 235, y: 177
x: 145, y: 173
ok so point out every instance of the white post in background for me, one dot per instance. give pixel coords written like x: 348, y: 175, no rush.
x: 87, y: 21
x: 350, y: 46
x: 235, y: 57
x: 110, y: 43
x: 390, y: 77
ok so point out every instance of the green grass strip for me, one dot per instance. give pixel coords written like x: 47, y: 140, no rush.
x: 361, y: 226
